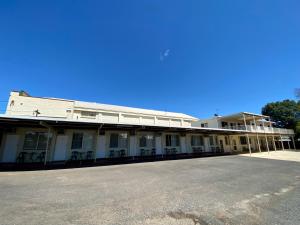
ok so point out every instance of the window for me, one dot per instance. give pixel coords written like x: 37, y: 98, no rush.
x: 172, y: 140
x: 204, y: 124
x: 211, y: 140
x: 224, y: 124
x: 123, y: 140
x: 88, y: 114
x: 147, y: 141
x: 243, y: 140
x: 196, y: 140
x: 118, y: 140
x: 88, y: 141
x: 114, y: 140
x: 77, y: 141
x: 143, y: 141
x: 36, y: 141
x: 42, y: 142
x: 82, y: 141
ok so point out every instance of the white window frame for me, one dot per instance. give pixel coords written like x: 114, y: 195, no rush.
x: 118, y: 147
x: 173, y: 140
x: 88, y: 114
x: 149, y: 144
x: 84, y: 144
x: 197, y: 136
x: 37, y: 142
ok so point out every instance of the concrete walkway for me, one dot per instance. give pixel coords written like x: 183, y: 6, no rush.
x: 278, y: 155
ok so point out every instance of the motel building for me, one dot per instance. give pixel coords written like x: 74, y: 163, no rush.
x: 49, y: 131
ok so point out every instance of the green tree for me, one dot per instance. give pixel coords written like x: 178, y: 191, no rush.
x: 283, y: 113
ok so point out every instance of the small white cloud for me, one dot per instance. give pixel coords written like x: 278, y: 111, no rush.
x: 167, y: 52
x: 164, y: 55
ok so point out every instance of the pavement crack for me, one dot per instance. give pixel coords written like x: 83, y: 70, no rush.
x: 182, y: 215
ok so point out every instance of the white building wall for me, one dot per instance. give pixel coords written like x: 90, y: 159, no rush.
x: 110, y: 117
x: 211, y: 123
x: 206, y: 144
x: 20, y: 105
x: 188, y: 143
x: 175, y: 123
x: 132, y: 145
x: 147, y: 120
x: 60, y: 149
x: 130, y: 119
x: 25, y: 106
x: 163, y: 121
x: 183, y: 144
x: 10, y: 148
x: 158, y: 145
x: 100, y: 146
x: 187, y: 123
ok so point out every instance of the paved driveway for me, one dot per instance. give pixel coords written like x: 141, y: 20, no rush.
x: 216, y: 190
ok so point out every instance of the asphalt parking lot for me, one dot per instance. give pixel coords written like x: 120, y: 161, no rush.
x: 216, y: 190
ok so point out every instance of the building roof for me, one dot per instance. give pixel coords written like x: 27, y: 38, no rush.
x: 240, y: 116
x: 124, y: 109
x: 115, y: 108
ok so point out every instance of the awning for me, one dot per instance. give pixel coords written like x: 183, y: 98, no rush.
x: 7, y: 122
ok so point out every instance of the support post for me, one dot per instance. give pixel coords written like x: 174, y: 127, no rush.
x: 230, y: 143
x: 267, y: 143
x: 258, y: 143
x: 273, y: 138
x: 99, y: 131
x: 293, y: 140
x: 46, y: 151
x: 274, y: 144
x: 248, y: 141
x: 281, y: 143
x: 289, y: 144
x: 48, y: 139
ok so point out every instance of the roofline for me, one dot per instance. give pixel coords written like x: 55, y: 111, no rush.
x: 138, y: 113
x: 50, y: 98
x: 243, y: 113
x: 255, y: 114
x: 37, y: 119
x: 135, y: 108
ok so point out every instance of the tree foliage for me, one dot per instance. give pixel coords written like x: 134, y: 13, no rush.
x: 283, y: 113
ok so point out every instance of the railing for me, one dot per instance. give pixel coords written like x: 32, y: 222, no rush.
x: 284, y: 131
x: 237, y: 127
x: 261, y: 129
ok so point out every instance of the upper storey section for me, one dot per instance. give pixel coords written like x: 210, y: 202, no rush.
x: 22, y: 104
x: 251, y: 122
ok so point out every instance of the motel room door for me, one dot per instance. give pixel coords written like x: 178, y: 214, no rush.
x: 61, y: 148
x: 221, y: 145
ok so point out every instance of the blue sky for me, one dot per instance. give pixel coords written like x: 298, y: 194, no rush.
x: 194, y: 56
